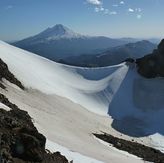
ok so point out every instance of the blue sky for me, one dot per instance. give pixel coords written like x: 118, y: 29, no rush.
x: 113, y: 18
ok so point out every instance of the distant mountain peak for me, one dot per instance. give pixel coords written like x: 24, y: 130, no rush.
x: 59, y: 26
x: 58, y: 31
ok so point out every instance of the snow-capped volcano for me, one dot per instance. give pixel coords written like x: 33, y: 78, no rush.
x: 57, y: 32
x: 58, y: 42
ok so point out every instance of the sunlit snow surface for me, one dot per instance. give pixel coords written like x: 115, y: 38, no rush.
x: 135, y: 104
x: 70, y: 155
x: 91, y: 88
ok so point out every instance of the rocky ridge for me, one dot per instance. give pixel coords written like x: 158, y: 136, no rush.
x: 152, y: 65
x: 142, y: 151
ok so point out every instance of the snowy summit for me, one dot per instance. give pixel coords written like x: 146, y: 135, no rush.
x: 57, y: 32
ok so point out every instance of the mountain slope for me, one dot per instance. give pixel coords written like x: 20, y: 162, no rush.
x: 112, y: 56
x: 79, y: 86
x: 59, y: 42
x: 62, y: 100
x: 57, y: 32
x: 62, y: 121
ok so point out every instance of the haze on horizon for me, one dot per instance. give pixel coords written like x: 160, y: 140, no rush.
x: 112, y: 18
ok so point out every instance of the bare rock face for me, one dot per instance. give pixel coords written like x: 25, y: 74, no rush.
x: 6, y: 74
x: 152, y: 65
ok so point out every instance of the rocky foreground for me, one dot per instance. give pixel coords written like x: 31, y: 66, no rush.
x: 20, y: 141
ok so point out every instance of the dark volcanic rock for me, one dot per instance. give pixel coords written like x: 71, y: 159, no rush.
x: 161, y: 47
x: 20, y: 142
x: 6, y: 102
x: 2, y: 86
x: 152, y: 65
x: 142, y: 151
x: 5, y: 73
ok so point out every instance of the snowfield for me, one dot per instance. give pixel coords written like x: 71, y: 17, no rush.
x: 68, y: 104
x: 87, y: 87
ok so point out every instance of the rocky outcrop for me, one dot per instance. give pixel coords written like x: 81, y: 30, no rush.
x: 20, y: 142
x: 142, y: 151
x: 6, y: 102
x: 6, y: 74
x: 152, y: 65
